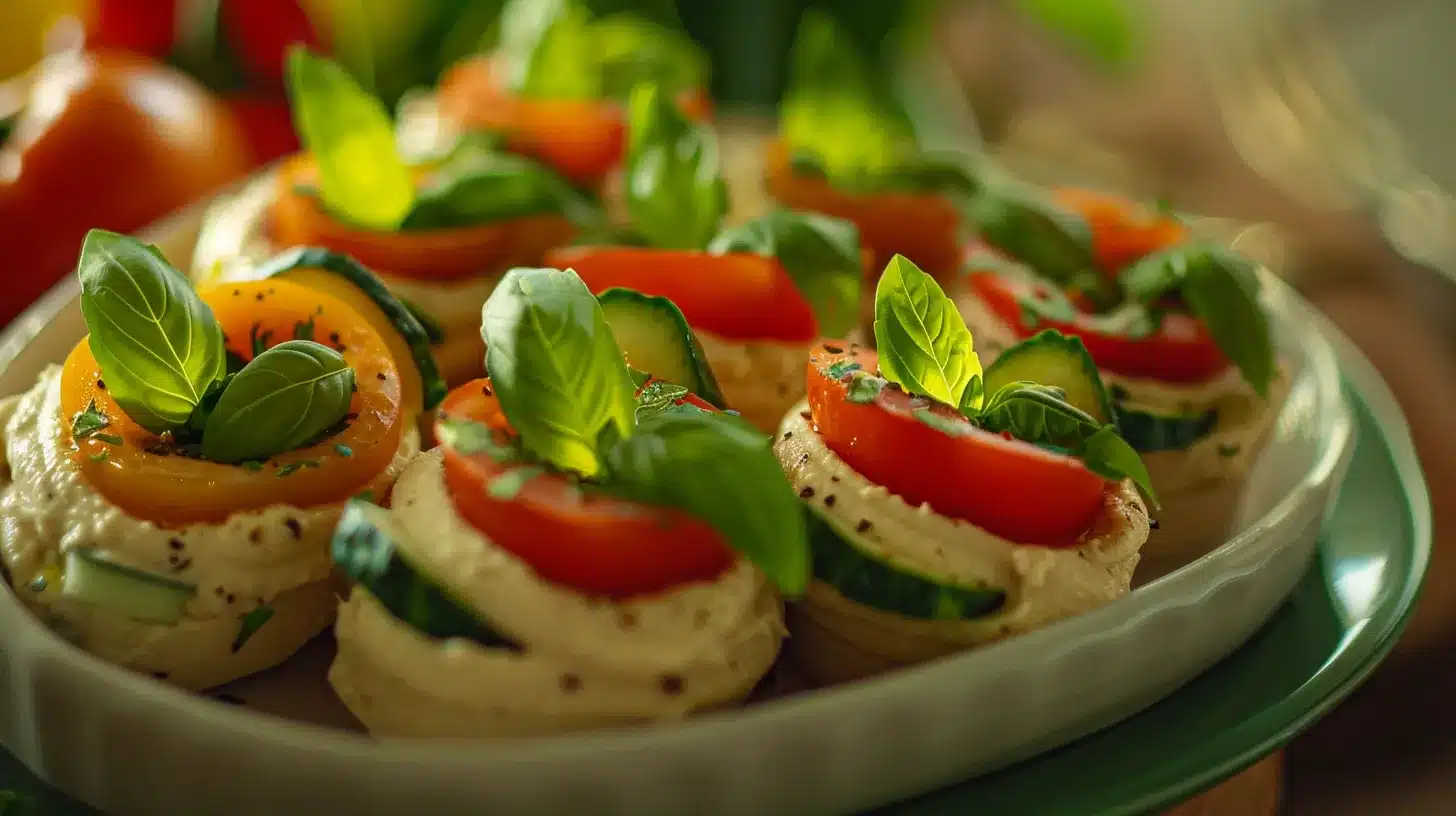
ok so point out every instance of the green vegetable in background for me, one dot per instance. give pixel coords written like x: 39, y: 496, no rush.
x: 480, y: 185
x: 157, y: 343
x: 284, y: 399
x: 675, y: 190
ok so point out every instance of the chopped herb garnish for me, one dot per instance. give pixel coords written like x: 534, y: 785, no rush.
x: 366, y: 496
x: 343, y: 450
x: 252, y: 464
x: 294, y: 467
x: 304, y: 329
x: 839, y: 368
x: 941, y: 423
x: 38, y: 584
x: 505, y: 486
x: 865, y: 389
x: 1225, y: 449
x: 88, y: 422
x: 102, y: 456
x: 468, y: 437
x: 259, y: 340
x: 252, y: 622
x: 110, y: 439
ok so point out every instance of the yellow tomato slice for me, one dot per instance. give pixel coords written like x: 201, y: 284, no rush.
x: 149, y: 480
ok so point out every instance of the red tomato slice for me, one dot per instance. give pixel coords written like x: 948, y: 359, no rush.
x: 1122, y: 230
x: 588, y: 541
x: 1011, y: 489
x: 1180, y: 351
x: 583, y: 139
x: 738, y: 296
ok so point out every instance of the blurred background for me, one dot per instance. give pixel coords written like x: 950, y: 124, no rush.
x: 1328, y: 118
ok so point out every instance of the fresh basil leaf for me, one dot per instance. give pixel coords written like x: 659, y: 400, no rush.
x: 675, y: 192
x: 632, y: 50
x: 1025, y: 225
x: 661, y: 396
x: 88, y: 422
x: 718, y: 469
x: 820, y: 253
x: 282, y: 400
x: 251, y: 623
x: 1038, y: 414
x: 973, y: 397
x: 1221, y: 288
x: 362, y: 178
x: 555, y: 367
x: 508, y: 485
x: 1108, y: 454
x: 834, y: 111
x: 158, y: 345
x: 479, y: 187
x: 1102, y: 29
x: 923, y: 342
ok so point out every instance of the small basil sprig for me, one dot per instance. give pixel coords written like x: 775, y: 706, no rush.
x: 832, y: 110
x: 1055, y: 243
x: 678, y: 459
x: 284, y: 399
x: 1221, y: 288
x: 556, y: 368
x: 675, y: 192
x: 821, y: 255
x: 923, y: 342
x: 158, y: 345
x: 479, y: 185
x: 361, y: 175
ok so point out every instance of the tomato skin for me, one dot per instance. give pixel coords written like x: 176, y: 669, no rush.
x: 110, y: 140
x: 267, y: 123
x: 1123, y: 230
x: 1181, y: 351
x: 298, y: 219
x: 172, y: 490
x: 591, y: 542
x: 923, y: 228
x: 1008, y: 488
x: 259, y: 32
x: 737, y: 296
x: 583, y: 139
x: 144, y: 26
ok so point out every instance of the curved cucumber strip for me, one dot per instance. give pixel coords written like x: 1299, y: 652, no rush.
x: 656, y: 338
x: 1052, y: 358
x: 323, y: 268
x: 142, y: 596
x: 363, y: 548
x: 875, y: 582
x: 1151, y: 432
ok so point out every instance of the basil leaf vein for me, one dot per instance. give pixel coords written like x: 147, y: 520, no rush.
x: 820, y: 253
x: 675, y: 192
x: 555, y: 367
x: 282, y: 400
x: 158, y: 344
x: 362, y: 177
x: 678, y: 460
x: 923, y: 341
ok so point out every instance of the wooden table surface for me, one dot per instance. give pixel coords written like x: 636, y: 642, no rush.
x: 1255, y: 792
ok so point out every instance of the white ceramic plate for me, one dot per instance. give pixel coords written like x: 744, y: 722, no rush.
x: 127, y: 744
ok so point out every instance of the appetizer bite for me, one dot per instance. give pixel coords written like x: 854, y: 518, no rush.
x: 556, y: 86
x: 170, y: 491
x: 588, y: 547
x: 951, y: 506
x: 846, y: 149
x: 1174, y: 325
x: 756, y: 294
x: 439, y: 232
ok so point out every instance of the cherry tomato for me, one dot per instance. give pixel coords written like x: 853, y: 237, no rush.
x: 1122, y: 230
x: 923, y: 228
x: 144, y: 26
x: 174, y: 490
x: 586, y: 540
x: 259, y: 32
x: 109, y: 140
x: 738, y: 296
x: 1181, y: 350
x: 1011, y: 489
x: 297, y: 219
x: 583, y: 139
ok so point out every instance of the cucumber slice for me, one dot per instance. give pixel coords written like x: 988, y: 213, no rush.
x: 1053, y: 358
x: 873, y: 581
x: 656, y: 338
x: 142, y: 596
x: 363, y: 548
x: 1153, y: 432
x: 366, y: 293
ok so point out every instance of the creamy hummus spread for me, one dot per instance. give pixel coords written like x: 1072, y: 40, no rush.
x: 1197, y: 486
x: 586, y: 662
x: 760, y: 379
x: 836, y: 639
x: 277, y: 556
